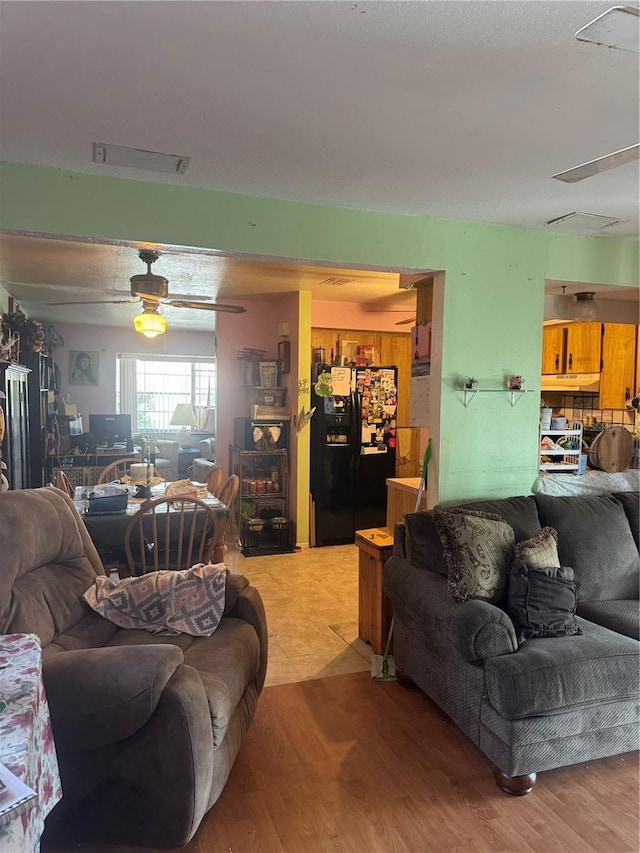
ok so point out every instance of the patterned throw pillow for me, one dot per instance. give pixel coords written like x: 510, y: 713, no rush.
x: 478, y: 548
x: 541, y: 551
x: 542, y: 601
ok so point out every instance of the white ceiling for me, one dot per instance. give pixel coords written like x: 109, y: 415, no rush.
x: 453, y: 109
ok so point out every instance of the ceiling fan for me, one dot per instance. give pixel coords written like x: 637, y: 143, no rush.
x: 152, y: 291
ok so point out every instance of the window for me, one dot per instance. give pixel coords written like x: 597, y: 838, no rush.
x: 150, y: 386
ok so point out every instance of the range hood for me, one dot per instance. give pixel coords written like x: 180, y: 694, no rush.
x: 579, y: 382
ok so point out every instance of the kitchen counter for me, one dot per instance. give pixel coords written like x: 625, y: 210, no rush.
x: 402, y: 493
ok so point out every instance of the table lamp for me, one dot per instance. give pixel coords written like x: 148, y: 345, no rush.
x: 184, y: 417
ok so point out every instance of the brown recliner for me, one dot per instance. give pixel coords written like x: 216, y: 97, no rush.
x: 146, y: 727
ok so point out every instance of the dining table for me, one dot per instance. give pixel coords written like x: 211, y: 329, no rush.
x: 107, y: 529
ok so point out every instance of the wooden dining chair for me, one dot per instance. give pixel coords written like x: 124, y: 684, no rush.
x: 63, y: 483
x: 115, y: 470
x: 205, y: 471
x: 170, y: 533
x: 229, y: 490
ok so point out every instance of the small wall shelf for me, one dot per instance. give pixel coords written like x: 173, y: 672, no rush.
x: 514, y: 396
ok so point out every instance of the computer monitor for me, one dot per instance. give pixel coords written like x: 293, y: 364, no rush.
x: 111, y: 430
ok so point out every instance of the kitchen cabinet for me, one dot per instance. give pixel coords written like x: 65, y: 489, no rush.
x: 553, y: 338
x: 571, y: 348
x: 583, y: 348
x: 618, y: 368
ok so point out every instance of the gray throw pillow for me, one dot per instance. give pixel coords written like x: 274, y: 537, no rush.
x: 542, y: 601
x: 478, y: 549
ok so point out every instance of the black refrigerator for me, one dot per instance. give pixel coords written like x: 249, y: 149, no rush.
x: 353, y: 448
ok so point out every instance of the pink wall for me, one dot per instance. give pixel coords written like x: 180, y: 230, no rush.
x: 107, y: 341
x: 351, y: 315
x: 258, y: 329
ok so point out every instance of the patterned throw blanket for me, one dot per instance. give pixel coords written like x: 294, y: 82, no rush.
x: 190, y: 601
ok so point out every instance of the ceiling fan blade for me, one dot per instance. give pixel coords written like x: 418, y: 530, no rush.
x: 600, y: 164
x: 196, y: 296
x: 99, y: 302
x: 405, y: 322
x: 212, y: 306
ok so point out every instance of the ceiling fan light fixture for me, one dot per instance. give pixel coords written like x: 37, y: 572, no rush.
x: 150, y: 323
x: 586, y: 308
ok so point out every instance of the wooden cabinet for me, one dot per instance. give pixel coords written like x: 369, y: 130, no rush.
x: 583, y: 348
x: 636, y: 389
x: 41, y: 385
x: 15, y: 447
x: 618, y: 365
x: 375, y: 546
x: 571, y: 348
x: 553, y: 340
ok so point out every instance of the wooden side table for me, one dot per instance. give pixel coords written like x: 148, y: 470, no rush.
x: 375, y: 546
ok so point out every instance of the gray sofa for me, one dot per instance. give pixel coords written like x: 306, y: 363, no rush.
x: 553, y: 701
x: 146, y: 727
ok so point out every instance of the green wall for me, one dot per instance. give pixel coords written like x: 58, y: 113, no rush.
x: 492, y: 304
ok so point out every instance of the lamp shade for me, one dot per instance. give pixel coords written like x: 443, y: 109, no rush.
x: 150, y: 323
x: 586, y: 308
x: 184, y: 415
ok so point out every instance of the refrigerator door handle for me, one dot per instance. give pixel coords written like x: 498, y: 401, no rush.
x: 356, y: 408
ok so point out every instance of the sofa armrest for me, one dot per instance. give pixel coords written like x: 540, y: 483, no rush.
x: 480, y: 631
x: 475, y: 630
x: 100, y: 696
x: 249, y: 607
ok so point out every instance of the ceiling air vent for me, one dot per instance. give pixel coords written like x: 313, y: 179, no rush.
x: 582, y: 224
x: 138, y: 158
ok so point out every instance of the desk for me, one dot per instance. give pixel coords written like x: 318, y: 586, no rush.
x: 26, y: 739
x: 107, y: 531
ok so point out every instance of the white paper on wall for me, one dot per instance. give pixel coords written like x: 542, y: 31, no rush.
x: 341, y: 378
x: 419, y: 402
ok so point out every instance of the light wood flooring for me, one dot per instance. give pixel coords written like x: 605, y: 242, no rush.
x: 337, y: 763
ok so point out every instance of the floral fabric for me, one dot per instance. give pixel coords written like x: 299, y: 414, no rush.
x: 26, y: 739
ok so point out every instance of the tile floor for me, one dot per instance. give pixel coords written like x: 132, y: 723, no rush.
x: 311, y: 600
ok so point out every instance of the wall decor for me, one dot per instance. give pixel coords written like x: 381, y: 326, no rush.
x: 84, y: 367
x: 284, y: 356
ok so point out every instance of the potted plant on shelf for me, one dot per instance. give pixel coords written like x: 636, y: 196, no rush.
x: 52, y: 338
x: 31, y: 331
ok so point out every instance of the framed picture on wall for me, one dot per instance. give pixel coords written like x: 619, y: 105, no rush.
x: 284, y: 356
x: 84, y: 367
